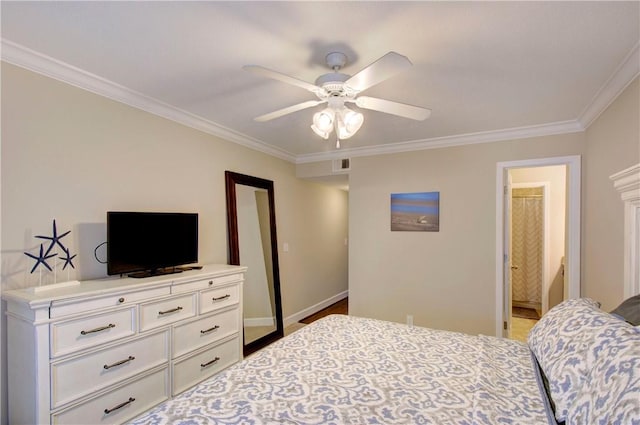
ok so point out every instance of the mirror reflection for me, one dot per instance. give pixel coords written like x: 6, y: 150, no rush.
x: 252, y: 243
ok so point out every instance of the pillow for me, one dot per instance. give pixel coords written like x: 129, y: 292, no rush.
x: 611, y: 394
x: 629, y: 310
x: 559, y: 342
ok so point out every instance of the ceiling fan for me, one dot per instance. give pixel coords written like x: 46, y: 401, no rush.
x: 335, y: 89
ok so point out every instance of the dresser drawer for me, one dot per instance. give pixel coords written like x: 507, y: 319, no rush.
x: 74, y: 335
x: 204, y: 331
x: 121, y: 404
x: 217, y: 298
x: 80, y: 376
x: 193, y: 369
x: 167, y: 311
x: 67, y: 307
x: 204, y: 283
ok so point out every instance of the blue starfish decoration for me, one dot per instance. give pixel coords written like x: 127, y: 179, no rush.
x: 55, y: 238
x: 41, y: 258
x: 67, y: 259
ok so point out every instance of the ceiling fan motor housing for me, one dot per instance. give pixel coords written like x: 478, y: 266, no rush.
x: 332, y: 82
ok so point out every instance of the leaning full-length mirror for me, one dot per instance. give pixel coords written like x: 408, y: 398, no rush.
x: 251, y: 222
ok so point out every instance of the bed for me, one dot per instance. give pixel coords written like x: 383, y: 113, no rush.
x: 581, y: 366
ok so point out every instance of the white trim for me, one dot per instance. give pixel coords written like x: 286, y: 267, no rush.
x: 546, y: 270
x: 562, y: 127
x: 627, y: 183
x: 572, y: 242
x: 296, y: 317
x: 24, y: 57
x: 624, y: 74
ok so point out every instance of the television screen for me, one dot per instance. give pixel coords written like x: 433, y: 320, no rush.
x: 149, y: 242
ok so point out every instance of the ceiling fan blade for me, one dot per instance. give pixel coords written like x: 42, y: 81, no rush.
x: 385, y: 67
x: 395, y: 108
x: 288, y: 110
x: 265, y: 72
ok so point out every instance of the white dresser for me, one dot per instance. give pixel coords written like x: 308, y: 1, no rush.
x: 104, y: 351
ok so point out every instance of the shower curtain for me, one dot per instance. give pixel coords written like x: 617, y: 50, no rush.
x: 527, y: 246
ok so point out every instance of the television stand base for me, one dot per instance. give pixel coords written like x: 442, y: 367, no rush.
x: 187, y: 268
x: 156, y: 272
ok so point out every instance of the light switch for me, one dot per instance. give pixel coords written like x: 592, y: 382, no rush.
x: 285, y: 247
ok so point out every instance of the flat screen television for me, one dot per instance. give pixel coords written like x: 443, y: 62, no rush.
x: 150, y: 243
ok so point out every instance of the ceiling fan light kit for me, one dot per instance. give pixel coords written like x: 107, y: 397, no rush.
x: 323, y: 123
x: 345, y: 121
x: 335, y: 89
x: 352, y: 122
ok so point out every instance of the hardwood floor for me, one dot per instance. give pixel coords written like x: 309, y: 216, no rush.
x: 341, y: 307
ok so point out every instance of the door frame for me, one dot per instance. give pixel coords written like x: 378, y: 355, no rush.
x: 572, y: 228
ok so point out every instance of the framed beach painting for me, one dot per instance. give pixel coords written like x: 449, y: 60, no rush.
x: 415, y: 212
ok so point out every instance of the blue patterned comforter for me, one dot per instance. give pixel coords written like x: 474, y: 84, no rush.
x: 349, y: 370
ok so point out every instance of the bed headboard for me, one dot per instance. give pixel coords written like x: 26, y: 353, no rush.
x: 627, y: 183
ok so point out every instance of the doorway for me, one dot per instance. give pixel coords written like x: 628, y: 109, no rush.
x: 529, y: 247
x: 559, y: 266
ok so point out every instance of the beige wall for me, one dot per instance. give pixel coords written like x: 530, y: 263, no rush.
x: 446, y: 280
x: 613, y: 144
x: 71, y: 155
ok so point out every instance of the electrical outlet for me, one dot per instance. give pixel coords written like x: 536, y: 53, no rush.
x: 409, y: 319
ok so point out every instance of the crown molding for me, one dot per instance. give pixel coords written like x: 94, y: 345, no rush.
x: 624, y: 74
x: 627, y: 182
x: 562, y: 127
x: 23, y: 57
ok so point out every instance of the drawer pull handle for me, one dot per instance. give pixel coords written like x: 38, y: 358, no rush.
x: 210, y: 329
x: 103, y: 328
x: 173, y: 310
x: 224, y: 297
x: 119, y: 406
x: 121, y: 300
x: 210, y: 363
x: 127, y: 360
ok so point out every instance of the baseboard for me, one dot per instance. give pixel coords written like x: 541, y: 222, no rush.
x: 294, y: 318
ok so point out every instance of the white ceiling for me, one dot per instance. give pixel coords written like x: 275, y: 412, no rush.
x: 488, y: 70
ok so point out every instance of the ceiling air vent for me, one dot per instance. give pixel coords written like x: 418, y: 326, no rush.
x: 343, y: 164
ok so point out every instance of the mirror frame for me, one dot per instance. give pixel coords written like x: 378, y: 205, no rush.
x: 231, y: 180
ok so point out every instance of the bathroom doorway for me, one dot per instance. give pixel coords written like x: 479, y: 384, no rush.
x: 529, y: 248
x: 538, y: 234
